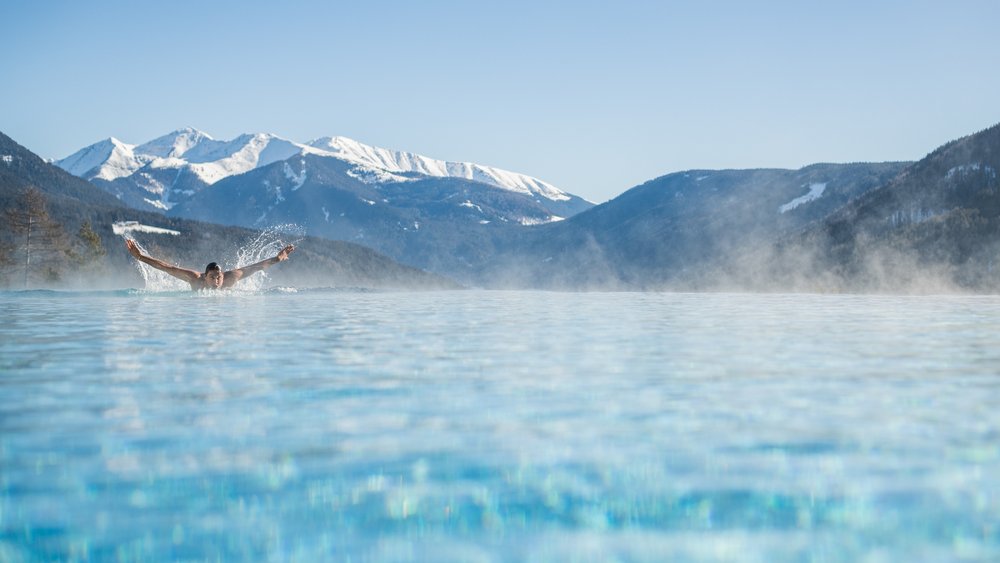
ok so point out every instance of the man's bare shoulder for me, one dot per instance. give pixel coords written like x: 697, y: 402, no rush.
x: 230, y: 277
x: 197, y: 282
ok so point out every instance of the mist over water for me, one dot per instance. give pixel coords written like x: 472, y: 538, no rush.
x: 494, y: 426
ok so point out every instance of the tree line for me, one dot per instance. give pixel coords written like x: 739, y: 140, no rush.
x: 35, y: 249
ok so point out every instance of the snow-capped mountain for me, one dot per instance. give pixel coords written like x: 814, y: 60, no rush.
x: 433, y: 214
x: 176, y: 144
x: 196, y: 152
x: 402, y: 162
x: 105, y: 160
x: 170, y: 169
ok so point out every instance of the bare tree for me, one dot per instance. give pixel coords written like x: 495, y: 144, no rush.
x: 41, y: 241
x: 6, y: 257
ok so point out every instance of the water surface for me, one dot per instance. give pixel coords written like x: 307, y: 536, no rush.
x: 498, y: 426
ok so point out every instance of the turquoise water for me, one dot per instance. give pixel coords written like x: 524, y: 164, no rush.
x: 498, y: 426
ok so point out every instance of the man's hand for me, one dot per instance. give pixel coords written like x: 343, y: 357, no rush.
x: 133, y: 248
x: 283, y: 255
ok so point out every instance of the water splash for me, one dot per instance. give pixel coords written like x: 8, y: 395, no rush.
x: 155, y: 280
x: 266, y: 244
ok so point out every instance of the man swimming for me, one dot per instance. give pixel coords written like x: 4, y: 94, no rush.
x: 214, y: 277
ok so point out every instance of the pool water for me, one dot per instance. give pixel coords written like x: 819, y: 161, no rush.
x: 322, y: 425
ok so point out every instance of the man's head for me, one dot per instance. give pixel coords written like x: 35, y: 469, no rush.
x: 213, y: 275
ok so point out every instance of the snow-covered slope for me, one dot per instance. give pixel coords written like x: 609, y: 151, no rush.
x: 108, y: 159
x: 174, y: 166
x: 210, y: 160
x: 398, y: 161
x: 176, y: 144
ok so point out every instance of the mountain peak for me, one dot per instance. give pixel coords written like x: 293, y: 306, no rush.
x: 333, y: 141
x: 211, y: 160
x: 190, y: 129
x: 247, y: 137
x: 402, y: 162
x: 106, y: 159
x: 174, y: 144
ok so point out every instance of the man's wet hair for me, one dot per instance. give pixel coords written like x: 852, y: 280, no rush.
x: 212, y: 266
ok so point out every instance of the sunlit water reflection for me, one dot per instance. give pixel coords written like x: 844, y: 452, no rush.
x: 494, y: 426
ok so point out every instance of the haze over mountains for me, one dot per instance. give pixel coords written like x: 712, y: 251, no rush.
x: 934, y: 226
x: 829, y: 227
x: 676, y: 231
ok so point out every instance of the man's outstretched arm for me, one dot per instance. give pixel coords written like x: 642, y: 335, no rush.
x: 177, y: 272
x: 236, y: 275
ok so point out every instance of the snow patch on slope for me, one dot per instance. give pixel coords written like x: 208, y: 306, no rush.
x: 369, y: 175
x: 156, y: 203
x: 470, y: 205
x: 299, y: 178
x: 532, y: 221
x: 125, y: 227
x: 815, y: 192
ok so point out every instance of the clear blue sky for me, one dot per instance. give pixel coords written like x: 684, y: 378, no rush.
x: 594, y: 97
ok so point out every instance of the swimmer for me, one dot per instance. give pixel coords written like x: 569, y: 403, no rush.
x: 214, y: 277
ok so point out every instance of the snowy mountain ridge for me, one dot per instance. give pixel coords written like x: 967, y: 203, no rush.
x: 211, y: 160
x: 402, y: 162
x: 107, y: 160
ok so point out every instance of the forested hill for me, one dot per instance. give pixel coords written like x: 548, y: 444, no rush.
x: 935, y: 225
x: 927, y: 226
x: 70, y: 202
x: 21, y: 169
x: 684, y: 230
